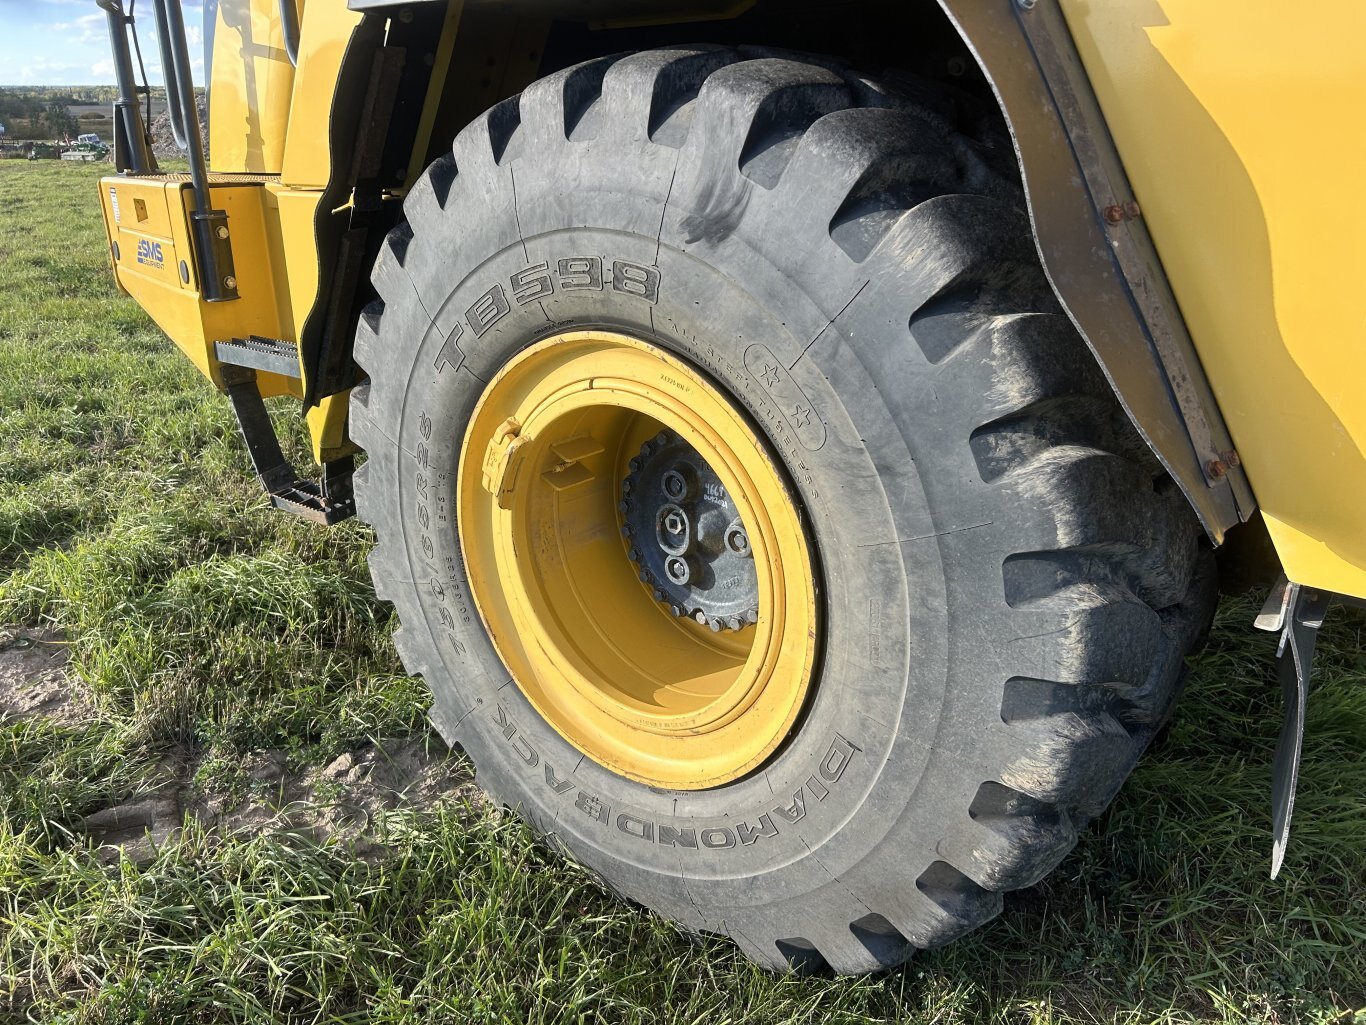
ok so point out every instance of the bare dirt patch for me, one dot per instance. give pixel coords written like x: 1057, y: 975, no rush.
x: 347, y: 796
x: 345, y: 799
x: 34, y: 678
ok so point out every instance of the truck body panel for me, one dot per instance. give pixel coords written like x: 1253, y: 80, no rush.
x: 253, y: 82
x: 1235, y: 125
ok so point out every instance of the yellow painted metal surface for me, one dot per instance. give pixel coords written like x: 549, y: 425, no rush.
x: 293, y: 252
x: 1239, y: 126
x: 151, y: 250
x: 254, y: 98
x: 323, y: 34
x: 252, y: 85
x: 653, y: 696
x: 327, y: 428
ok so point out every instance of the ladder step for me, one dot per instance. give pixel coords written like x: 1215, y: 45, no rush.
x: 272, y: 355
x: 327, y: 500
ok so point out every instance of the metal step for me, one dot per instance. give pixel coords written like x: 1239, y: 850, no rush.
x: 327, y: 500
x: 271, y: 355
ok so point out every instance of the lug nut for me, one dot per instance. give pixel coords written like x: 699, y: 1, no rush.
x: 736, y: 539
x: 675, y: 485
x: 677, y: 569
x: 673, y: 531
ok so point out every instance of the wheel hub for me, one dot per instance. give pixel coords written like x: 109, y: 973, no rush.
x: 687, y: 538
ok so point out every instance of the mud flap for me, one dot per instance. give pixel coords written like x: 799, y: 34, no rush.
x: 1297, y: 613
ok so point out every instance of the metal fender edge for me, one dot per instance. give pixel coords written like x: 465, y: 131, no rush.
x: 1097, y: 252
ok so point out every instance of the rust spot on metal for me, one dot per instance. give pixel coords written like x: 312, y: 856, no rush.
x: 1217, y: 468
x: 1113, y: 214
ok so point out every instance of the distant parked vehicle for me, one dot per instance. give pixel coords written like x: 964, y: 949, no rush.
x: 87, y: 147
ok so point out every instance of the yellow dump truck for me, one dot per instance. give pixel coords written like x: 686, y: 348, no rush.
x: 802, y: 438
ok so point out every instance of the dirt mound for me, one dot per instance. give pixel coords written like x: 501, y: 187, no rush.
x: 163, y: 139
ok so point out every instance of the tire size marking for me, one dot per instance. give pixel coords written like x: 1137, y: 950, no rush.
x: 744, y: 832
x: 430, y: 509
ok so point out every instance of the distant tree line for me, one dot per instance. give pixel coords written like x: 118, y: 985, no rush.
x: 28, y: 115
x: 44, y: 111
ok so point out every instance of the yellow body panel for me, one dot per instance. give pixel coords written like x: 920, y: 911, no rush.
x: 294, y: 253
x: 150, y: 253
x: 252, y: 85
x: 255, y: 97
x: 1238, y: 124
x: 323, y: 35
x: 327, y: 428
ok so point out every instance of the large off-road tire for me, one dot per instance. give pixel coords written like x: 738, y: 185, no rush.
x: 1007, y: 580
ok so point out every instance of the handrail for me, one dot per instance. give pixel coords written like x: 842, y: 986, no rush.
x: 173, y: 107
x: 213, y: 249
x: 289, y: 22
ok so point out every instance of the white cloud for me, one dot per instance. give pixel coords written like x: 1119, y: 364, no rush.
x: 56, y: 42
x: 43, y: 68
x: 89, y: 28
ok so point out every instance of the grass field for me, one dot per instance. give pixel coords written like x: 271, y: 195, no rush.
x: 177, y: 652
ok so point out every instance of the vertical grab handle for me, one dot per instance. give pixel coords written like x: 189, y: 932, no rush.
x: 213, y: 246
x: 289, y: 22
x: 173, y: 106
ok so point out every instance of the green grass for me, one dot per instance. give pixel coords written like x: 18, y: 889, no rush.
x: 206, y: 629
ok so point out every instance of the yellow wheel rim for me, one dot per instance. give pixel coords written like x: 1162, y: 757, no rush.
x: 656, y: 697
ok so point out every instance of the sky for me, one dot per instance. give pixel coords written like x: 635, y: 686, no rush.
x: 66, y: 42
